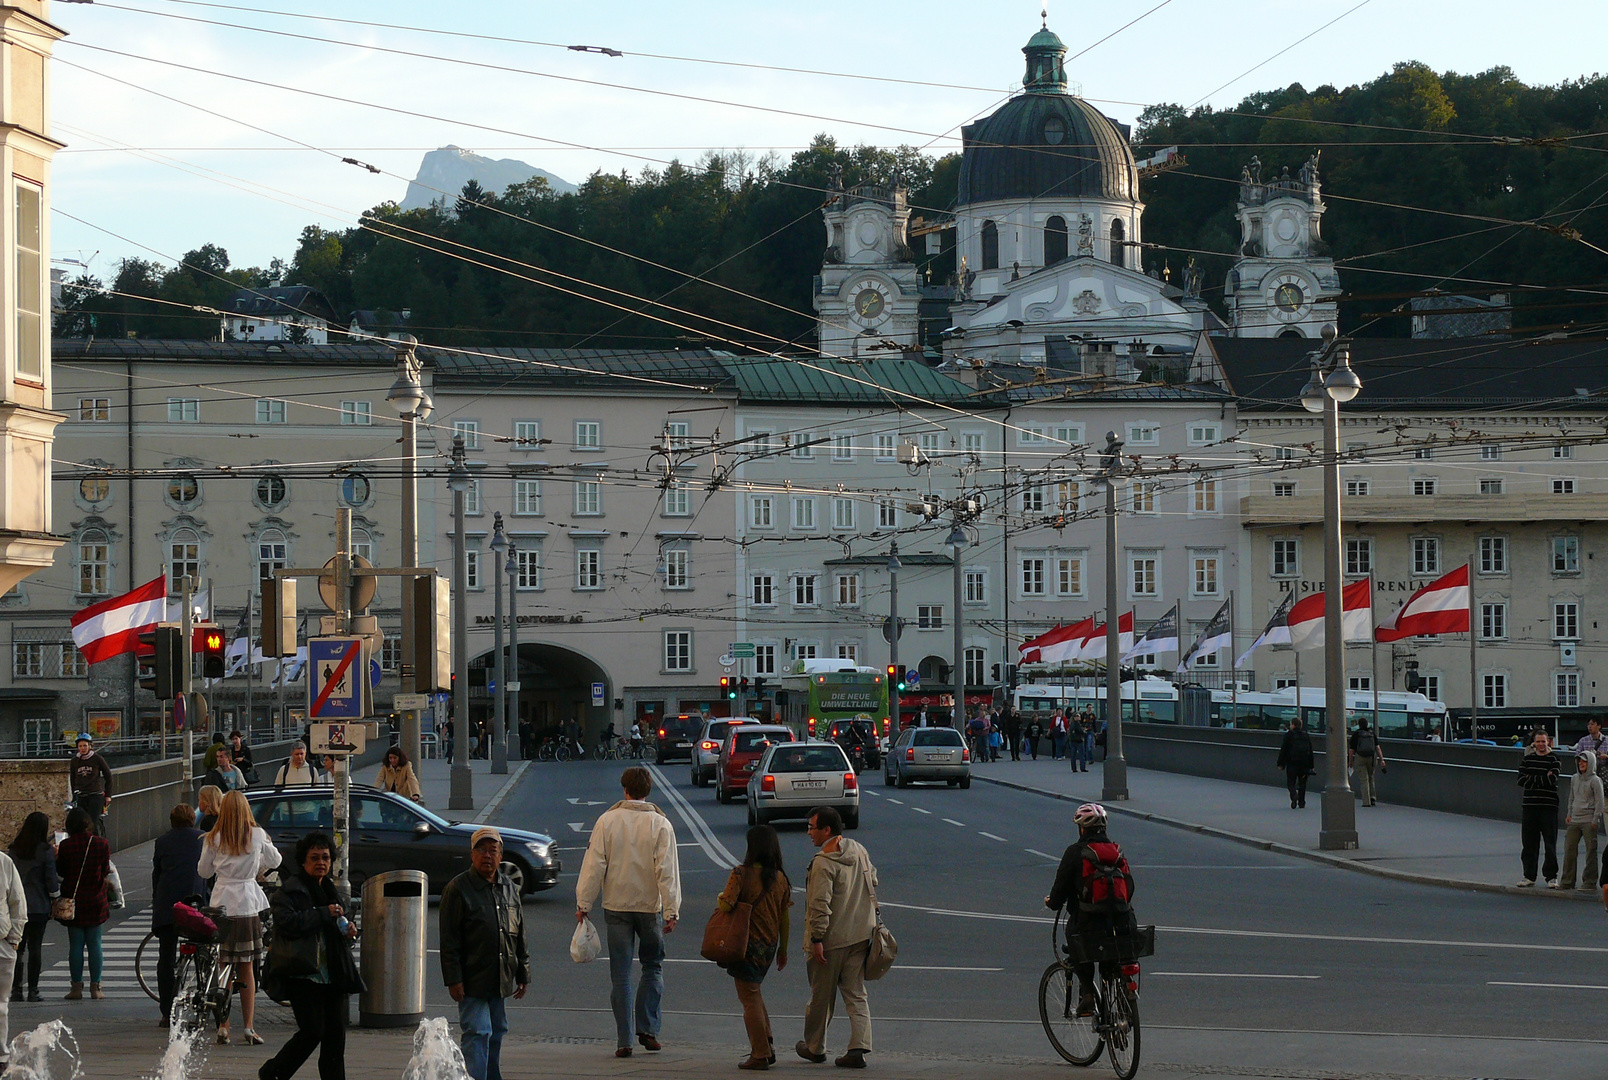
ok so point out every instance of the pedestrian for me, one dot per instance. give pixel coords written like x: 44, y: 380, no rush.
x: 447, y: 730
x: 483, y: 956
x: 13, y: 925
x: 1580, y: 823
x: 210, y: 759
x: 208, y: 801
x: 91, y: 781
x: 1013, y: 732
x: 1594, y: 742
x: 1297, y: 761
x: 975, y: 731
x: 631, y: 863
x: 1364, y: 755
x: 35, y: 857
x: 1035, y: 731
x: 1058, y: 735
x: 237, y: 850
x: 175, y: 877
x: 326, y: 776
x: 840, y: 913
x: 1538, y: 776
x: 396, y: 774
x: 297, y: 770
x: 223, y: 775
x: 1077, y: 748
x: 636, y: 740
x: 761, y: 883
x: 1095, y: 884
x: 241, y: 754
x: 311, y: 963
x: 82, y: 862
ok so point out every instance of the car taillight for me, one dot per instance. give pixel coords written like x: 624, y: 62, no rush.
x: 661, y: 733
x: 812, y: 725
x: 767, y: 783
x: 884, y: 725
x: 910, y: 753
x: 965, y: 754
x: 709, y: 745
x: 850, y: 782
x: 186, y: 948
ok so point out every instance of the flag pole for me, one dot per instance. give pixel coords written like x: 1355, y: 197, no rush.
x: 1233, y: 675
x: 1298, y: 715
x: 1473, y: 663
x: 1373, y: 648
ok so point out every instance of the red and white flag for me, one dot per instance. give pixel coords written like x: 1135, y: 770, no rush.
x: 1094, y: 646
x: 1441, y: 607
x: 1032, y: 650
x: 1356, y: 616
x: 112, y: 627
x: 1070, y: 644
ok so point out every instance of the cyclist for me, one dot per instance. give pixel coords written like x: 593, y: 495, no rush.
x: 1095, y: 884
x: 605, y: 738
x: 636, y: 740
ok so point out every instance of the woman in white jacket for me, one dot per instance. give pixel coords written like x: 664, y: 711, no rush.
x: 236, y: 850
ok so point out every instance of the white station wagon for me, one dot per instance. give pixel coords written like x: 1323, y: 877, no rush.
x: 794, y: 778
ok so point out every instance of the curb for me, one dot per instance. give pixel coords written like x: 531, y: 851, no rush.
x: 502, y: 793
x: 1303, y: 853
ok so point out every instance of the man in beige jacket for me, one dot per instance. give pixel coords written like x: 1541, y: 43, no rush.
x: 840, y: 914
x: 631, y: 862
x: 13, y: 921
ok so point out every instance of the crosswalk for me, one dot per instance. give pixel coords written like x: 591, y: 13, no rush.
x: 118, y: 945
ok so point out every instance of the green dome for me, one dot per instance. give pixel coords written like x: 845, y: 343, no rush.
x: 1046, y: 146
x: 1046, y: 70
x: 1046, y: 39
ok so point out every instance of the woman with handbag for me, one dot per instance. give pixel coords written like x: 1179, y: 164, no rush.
x: 311, y: 964
x: 759, y: 890
x: 82, y: 861
x: 35, y: 857
x: 396, y: 775
x: 236, y: 850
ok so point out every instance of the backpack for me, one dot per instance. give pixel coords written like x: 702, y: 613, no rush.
x: 1365, y: 744
x: 1106, y: 880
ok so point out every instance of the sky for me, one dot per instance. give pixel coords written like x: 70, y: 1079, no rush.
x: 181, y: 131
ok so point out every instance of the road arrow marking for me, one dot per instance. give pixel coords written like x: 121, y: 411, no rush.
x: 579, y: 826
x: 577, y: 802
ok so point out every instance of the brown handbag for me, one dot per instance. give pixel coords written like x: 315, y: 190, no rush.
x: 725, y: 939
x: 64, y: 909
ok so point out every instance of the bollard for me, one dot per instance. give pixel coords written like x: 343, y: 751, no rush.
x: 394, y: 911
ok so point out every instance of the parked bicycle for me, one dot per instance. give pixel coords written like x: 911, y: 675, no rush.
x: 1113, y: 1025
x: 200, y: 996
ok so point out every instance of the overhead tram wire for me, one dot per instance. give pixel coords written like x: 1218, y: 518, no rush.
x: 1287, y: 48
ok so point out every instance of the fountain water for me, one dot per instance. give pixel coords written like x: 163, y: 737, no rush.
x: 48, y: 1052
x: 436, y: 1055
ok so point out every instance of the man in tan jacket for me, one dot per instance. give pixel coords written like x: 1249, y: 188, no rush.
x: 631, y: 862
x: 840, y: 914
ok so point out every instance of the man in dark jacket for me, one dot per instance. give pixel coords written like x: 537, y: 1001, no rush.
x: 174, y: 856
x: 1538, y: 828
x: 1297, y: 761
x: 1087, y: 913
x: 483, y: 957
x: 91, y: 780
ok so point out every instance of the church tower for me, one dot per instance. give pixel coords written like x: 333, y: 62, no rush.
x: 868, y: 288
x: 1285, y: 283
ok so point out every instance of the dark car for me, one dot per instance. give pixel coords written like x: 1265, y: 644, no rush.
x: 390, y: 832
x: 706, y: 754
x: 739, y: 756
x: 676, y: 737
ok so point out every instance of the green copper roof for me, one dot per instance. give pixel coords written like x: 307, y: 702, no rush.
x: 879, y: 381
x: 1045, y: 39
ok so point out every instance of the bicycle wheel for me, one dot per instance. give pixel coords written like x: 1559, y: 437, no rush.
x: 1074, y: 1037
x: 562, y: 753
x: 189, y: 999
x: 148, y: 985
x: 545, y: 753
x: 1122, y: 1033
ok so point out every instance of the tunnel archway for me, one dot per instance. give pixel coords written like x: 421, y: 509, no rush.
x: 555, y: 688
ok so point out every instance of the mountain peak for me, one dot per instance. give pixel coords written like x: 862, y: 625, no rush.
x: 443, y: 173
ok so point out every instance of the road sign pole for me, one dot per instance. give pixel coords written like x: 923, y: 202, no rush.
x: 187, y: 633
x: 356, y: 671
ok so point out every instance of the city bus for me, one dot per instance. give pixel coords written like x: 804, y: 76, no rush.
x: 822, y: 691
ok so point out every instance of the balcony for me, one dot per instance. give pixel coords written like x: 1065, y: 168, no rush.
x: 1260, y: 511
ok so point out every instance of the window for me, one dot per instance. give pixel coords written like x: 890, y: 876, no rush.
x: 272, y: 491
x: 803, y: 512
x: 677, y: 435
x: 1067, y: 496
x: 842, y: 446
x: 527, y: 497
x: 887, y: 514
x: 588, y: 498
x: 1284, y: 489
x: 94, y: 563
x: 1425, y: 485
x: 363, y: 545
x: 928, y: 442
x: 1566, y: 554
x: 887, y: 448
x: 1431, y: 687
x: 1493, y: 620
x: 94, y: 410
x: 1069, y: 575
x: 1142, y: 574
x: 1423, y: 453
x: 528, y: 566
x: 762, y: 442
x: 1205, y: 496
x: 1119, y: 253
x: 360, y: 413
x: 588, y: 569
x: 527, y: 434
x: 990, y: 246
x: 759, y: 512
x: 1031, y: 435
x: 1495, y: 690
x: 472, y: 569
x: 1032, y: 577
x: 31, y: 300
x: 94, y: 489
x: 976, y: 662
x: 1566, y: 620
x: 972, y: 443
x: 842, y: 513
x: 1204, y: 567
x: 804, y: 590
x: 271, y: 554
x: 848, y: 590
x: 764, y: 590
x: 675, y: 568
x: 678, y: 650
x: 849, y: 650
x: 470, y: 431
x: 1493, y: 554
x: 355, y: 491
x: 764, y: 659
x: 678, y: 499
x: 1359, y: 557
x: 1286, y: 558
x: 803, y: 448
x: 1054, y: 240
x: 1033, y: 500
x: 1490, y: 452
x: 929, y: 616
x: 1204, y: 434
x: 184, y: 410
x: 471, y: 497
x: 1070, y: 434
x: 270, y: 411
x: 974, y: 586
x: 1359, y: 682
x: 1490, y: 485
x: 1144, y: 434
x: 28, y: 660
x: 1426, y: 555
x: 1356, y: 488
x: 73, y: 663
x: 1566, y: 690
x: 1563, y: 485
x: 588, y: 435
x: 184, y: 558
x: 1563, y: 451
x: 390, y: 660
x: 1144, y: 496
x: 1284, y: 453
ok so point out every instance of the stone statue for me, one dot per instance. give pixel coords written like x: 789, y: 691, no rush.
x: 1085, y: 237
x: 1255, y: 169
x: 1016, y: 270
x: 1309, y: 171
x: 1192, y: 276
x: 834, y: 176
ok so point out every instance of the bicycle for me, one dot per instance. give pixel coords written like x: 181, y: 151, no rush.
x: 1113, y: 1026
x: 150, y: 942
x: 199, y: 993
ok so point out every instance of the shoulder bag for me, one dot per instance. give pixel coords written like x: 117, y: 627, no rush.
x: 725, y: 939
x: 65, y: 908
x: 884, y: 949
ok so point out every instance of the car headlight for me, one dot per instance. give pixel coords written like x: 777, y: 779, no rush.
x: 538, y: 850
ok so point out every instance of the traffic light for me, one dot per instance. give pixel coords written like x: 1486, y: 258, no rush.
x: 279, y: 618
x: 742, y: 684
x: 896, y: 676
x: 1414, y: 681
x: 759, y: 684
x: 169, y: 662
x: 995, y: 673
x: 213, y: 648
x: 432, y: 634
x: 727, y: 688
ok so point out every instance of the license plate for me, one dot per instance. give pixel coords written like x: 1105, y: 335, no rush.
x: 809, y: 783
x: 939, y: 758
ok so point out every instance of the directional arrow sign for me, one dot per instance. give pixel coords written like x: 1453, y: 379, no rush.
x: 577, y: 802
x: 742, y: 650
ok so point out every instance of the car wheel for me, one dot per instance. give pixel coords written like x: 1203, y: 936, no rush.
x: 965, y: 781
x: 887, y: 778
x: 720, y: 795
x: 904, y: 781
x: 952, y: 783
x: 752, y: 821
x: 516, y: 874
x: 851, y: 821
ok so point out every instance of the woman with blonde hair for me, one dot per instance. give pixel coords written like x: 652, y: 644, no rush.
x: 237, y: 850
x: 207, y: 802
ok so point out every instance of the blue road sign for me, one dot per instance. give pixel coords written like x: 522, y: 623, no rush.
x: 333, y: 691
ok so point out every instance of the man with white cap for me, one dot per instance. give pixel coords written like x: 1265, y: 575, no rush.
x: 483, y: 956
x: 91, y: 780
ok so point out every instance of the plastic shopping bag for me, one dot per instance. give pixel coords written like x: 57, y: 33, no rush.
x: 115, y: 897
x: 585, y: 946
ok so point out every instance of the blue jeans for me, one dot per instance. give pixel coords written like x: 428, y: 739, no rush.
x: 645, y: 929
x: 1057, y: 745
x: 484, y: 1022
x: 77, y: 938
x: 1078, y: 756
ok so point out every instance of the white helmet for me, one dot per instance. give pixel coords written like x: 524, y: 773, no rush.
x: 1089, y: 814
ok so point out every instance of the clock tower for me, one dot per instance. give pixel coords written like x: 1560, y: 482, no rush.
x: 868, y: 289
x: 1285, y: 282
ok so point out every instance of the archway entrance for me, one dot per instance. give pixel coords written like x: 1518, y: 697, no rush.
x: 555, y: 690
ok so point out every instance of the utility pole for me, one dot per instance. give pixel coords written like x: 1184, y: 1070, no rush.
x: 499, y: 699
x: 1115, y: 769
x: 893, y: 636
x: 187, y: 630
x: 957, y: 543
x: 461, y: 796
x: 343, y: 774
x: 407, y: 396
x: 513, y: 648
x: 250, y: 629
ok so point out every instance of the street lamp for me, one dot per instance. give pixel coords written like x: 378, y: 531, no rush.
x: 1332, y: 382
x: 512, y: 569
x: 1115, y: 770
x: 461, y: 794
x: 957, y: 542
x: 894, y: 566
x: 407, y: 396
x: 499, y: 726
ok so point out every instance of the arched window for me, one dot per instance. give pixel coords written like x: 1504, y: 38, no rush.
x: 990, y: 246
x: 183, y: 489
x: 184, y: 558
x: 363, y: 545
x: 271, y: 491
x: 1292, y: 333
x: 271, y: 553
x: 1119, y: 234
x: 355, y: 489
x: 94, y: 563
x: 1054, y: 240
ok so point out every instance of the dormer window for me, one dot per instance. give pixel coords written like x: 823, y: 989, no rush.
x: 1054, y: 130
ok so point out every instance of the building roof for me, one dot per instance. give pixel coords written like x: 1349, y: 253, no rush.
x: 1010, y: 155
x: 281, y: 302
x: 870, y: 381
x: 580, y: 369
x: 162, y: 350
x: 1397, y: 373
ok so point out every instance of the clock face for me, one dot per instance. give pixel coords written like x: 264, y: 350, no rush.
x: 1289, y: 297
x: 868, y: 302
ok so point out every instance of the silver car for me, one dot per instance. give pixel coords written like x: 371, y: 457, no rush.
x: 794, y: 778
x: 706, y: 747
x: 928, y: 754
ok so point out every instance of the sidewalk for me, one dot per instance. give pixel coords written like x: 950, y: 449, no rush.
x: 1401, y: 842
x: 435, y: 777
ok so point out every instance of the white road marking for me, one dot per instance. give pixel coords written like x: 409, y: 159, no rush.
x: 579, y: 826
x: 952, y: 821
x: 1549, y: 986
x: 1224, y: 975
x: 717, y: 852
x: 868, y: 791
x: 991, y: 836
x: 1040, y: 854
x: 919, y: 967
x: 896, y: 802
x: 589, y: 802
x: 919, y: 810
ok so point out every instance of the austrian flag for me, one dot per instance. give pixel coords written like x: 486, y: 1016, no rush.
x: 1356, y: 616
x: 1441, y: 607
x: 113, y: 627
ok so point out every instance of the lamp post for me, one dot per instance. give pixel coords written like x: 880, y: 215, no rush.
x: 512, y: 570
x: 957, y: 542
x: 1333, y: 382
x: 1115, y: 769
x: 461, y: 793
x: 894, y: 566
x: 407, y: 396
x: 499, y: 718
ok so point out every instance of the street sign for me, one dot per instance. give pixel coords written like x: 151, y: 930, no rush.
x: 912, y: 679
x: 181, y: 712
x: 742, y: 650
x: 727, y: 660
x: 362, y: 587
x: 513, y: 688
x: 887, y: 628
x: 336, y: 689
x: 410, y: 701
x: 375, y: 673
x: 338, y: 739
x: 597, y: 693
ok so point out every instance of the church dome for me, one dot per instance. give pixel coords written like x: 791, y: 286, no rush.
x: 1046, y: 143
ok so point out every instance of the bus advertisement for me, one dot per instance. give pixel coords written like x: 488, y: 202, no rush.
x: 823, y: 691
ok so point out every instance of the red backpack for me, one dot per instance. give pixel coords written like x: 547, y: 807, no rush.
x: 1107, y: 882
